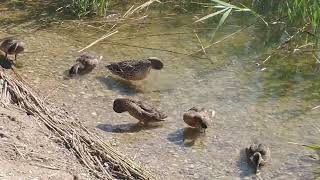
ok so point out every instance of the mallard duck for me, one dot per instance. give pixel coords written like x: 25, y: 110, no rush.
x: 85, y: 63
x: 143, y: 112
x: 258, y: 155
x: 135, y: 69
x: 12, y: 46
x: 198, y: 117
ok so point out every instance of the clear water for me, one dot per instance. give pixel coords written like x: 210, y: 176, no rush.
x: 273, y: 106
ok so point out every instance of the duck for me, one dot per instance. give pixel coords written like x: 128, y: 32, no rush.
x: 85, y: 63
x: 135, y: 70
x: 12, y: 46
x: 258, y: 155
x: 142, y: 111
x: 198, y: 117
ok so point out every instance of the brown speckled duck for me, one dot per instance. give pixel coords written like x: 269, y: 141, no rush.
x: 85, y: 63
x: 258, y: 155
x: 143, y: 112
x: 135, y: 69
x: 12, y: 46
x: 198, y: 117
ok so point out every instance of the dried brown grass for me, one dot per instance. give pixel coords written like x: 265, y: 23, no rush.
x: 97, y: 155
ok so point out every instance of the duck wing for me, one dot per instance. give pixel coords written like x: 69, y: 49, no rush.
x: 130, y: 66
x: 88, y: 59
x: 151, y: 111
x: 6, y: 45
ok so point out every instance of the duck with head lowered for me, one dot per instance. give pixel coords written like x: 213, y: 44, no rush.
x: 11, y: 46
x: 198, y: 117
x: 145, y: 113
x: 258, y: 155
x: 135, y: 69
x: 85, y: 63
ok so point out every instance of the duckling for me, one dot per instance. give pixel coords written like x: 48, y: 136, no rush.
x: 143, y: 112
x: 85, y: 63
x: 135, y: 69
x: 12, y: 46
x: 198, y: 118
x: 258, y: 155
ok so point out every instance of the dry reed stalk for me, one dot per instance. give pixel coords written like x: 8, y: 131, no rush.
x: 88, y: 147
x: 204, y: 51
x: 139, y: 8
x: 124, y: 17
x: 98, y: 40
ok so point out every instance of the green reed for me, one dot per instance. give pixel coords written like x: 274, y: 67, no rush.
x: 294, y: 13
x: 89, y: 7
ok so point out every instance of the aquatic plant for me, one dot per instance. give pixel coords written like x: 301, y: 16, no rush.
x: 315, y: 147
x: 304, y: 14
x: 295, y: 12
x: 223, y: 9
x: 88, y: 7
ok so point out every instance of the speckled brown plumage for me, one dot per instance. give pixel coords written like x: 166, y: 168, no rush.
x: 258, y: 155
x: 197, y: 117
x: 85, y: 63
x: 12, y: 46
x: 135, y: 69
x: 144, y: 112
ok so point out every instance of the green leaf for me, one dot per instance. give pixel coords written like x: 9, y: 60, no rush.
x: 211, y: 15
x: 313, y: 146
x: 223, y: 18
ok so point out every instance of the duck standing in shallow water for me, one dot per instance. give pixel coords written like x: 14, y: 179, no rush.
x: 85, y: 63
x: 12, y: 46
x: 258, y: 155
x: 198, y: 117
x: 143, y: 112
x: 135, y: 69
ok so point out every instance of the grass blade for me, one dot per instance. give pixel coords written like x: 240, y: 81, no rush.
x: 211, y: 15
x: 313, y: 146
x: 223, y: 18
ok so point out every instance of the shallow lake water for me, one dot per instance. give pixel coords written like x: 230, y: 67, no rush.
x: 270, y: 103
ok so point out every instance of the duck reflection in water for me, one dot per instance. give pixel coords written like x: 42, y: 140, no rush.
x: 126, y: 128
x: 190, y: 136
x: 187, y: 137
x: 122, y: 86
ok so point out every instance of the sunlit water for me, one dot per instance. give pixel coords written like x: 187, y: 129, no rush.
x: 273, y: 106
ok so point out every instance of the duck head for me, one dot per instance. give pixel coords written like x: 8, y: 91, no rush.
x: 155, y: 63
x: 203, y: 123
x: 257, y: 160
x: 119, y: 105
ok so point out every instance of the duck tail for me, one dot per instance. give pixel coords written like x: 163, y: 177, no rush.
x: 155, y: 63
x: 74, y: 69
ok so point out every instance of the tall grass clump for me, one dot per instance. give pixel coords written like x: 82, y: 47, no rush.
x: 294, y: 14
x: 89, y: 7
